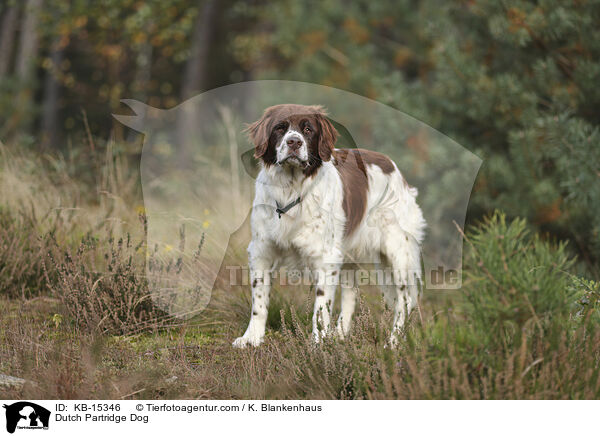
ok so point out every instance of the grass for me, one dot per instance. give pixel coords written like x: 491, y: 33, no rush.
x: 197, y: 361
x: 78, y: 321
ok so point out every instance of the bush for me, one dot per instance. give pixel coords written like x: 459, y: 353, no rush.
x: 515, y: 281
x: 589, y: 302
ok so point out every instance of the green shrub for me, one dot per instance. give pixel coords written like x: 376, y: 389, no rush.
x: 515, y: 280
x: 589, y: 302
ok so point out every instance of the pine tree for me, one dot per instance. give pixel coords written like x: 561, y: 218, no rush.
x: 519, y: 84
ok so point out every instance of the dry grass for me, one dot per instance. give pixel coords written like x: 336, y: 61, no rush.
x: 197, y: 361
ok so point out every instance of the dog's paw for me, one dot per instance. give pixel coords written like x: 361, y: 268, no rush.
x: 320, y: 335
x: 393, y: 342
x: 244, y: 341
x: 341, y: 331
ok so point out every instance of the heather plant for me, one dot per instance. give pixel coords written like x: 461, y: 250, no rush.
x: 102, y: 287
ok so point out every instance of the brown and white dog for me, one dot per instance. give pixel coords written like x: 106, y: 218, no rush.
x: 325, y: 206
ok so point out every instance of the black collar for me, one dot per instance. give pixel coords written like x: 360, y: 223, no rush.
x: 281, y: 210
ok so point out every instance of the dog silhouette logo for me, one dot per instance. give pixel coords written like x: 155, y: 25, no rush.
x: 198, y: 174
x: 26, y: 415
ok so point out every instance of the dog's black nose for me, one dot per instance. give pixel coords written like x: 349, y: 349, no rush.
x: 294, y: 143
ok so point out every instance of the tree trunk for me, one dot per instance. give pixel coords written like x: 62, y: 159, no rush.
x: 22, y: 117
x: 7, y: 38
x: 143, y: 74
x: 50, y: 107
x: 194, y: 78
x: 28, y: 44
x: 143, y: 71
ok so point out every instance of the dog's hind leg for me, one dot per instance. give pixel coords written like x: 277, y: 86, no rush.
x: 326, y: 281
x: 348, y: 303
x: 385, y: 281
x: 404, y: 255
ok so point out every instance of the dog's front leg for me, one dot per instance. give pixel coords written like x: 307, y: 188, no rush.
x: 260, y: 262
x: 326, y: 279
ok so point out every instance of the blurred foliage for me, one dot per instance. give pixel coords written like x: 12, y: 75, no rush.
x: 514, y: 81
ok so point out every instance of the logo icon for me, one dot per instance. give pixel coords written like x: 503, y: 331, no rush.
x: 198, y: 176
x: 26, y: 415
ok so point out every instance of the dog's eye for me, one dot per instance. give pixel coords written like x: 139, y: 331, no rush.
x: 280, y: 127
x: 307, y: 130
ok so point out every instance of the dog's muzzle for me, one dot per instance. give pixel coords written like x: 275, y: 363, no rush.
x: 292, y: 147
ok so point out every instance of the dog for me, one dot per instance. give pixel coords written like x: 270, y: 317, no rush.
x: 324, y: 206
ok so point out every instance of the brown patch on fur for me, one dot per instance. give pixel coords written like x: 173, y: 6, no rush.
x: 352, y: 167
x: 355, y: 185
x: 320, y: 292
x: 375, y: 158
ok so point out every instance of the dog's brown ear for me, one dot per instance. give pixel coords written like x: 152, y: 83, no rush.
x: 327, y: 138
x: 259, y: 132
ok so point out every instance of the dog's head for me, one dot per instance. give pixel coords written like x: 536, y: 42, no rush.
x: 292, y: 134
